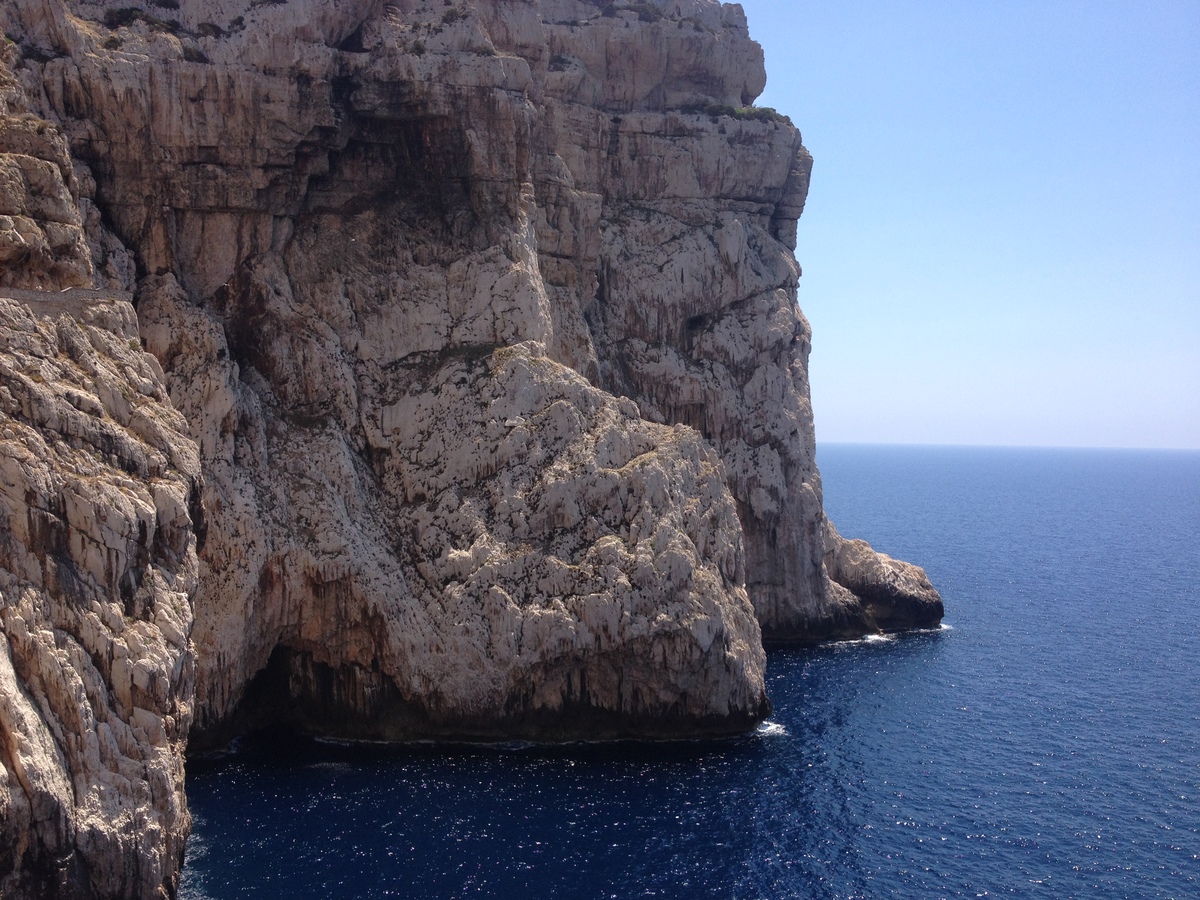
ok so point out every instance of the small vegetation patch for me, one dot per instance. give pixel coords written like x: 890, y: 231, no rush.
x: 756, y: 113
x: 122, y: 18
x: 33, y: 53
x: 195, y: 54
x: 646, y: 12
x: 128, y: 15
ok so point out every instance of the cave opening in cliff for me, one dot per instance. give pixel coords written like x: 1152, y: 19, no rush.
x: 416, y: 167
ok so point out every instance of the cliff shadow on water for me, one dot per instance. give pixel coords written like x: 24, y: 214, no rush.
x: 770, y: 813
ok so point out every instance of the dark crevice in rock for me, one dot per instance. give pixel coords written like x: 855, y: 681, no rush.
x: 295, y: 692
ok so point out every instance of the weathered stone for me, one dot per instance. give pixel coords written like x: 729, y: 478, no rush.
x: 42, y: 241
x: 482, y: 319
x: 895, y: 595
x: 97, y: 569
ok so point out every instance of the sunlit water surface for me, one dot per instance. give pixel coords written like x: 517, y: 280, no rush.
x: 1045, y: 744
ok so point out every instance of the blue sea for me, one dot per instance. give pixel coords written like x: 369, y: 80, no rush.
x: 1044, y: 743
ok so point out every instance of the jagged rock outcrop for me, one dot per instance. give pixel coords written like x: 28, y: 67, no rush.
x: 97, y: 550
x: 41, y: 227
x: 690, y: 290
x: 564, y: 568
x: 97, y: 569
x: 895, y: 595
x: 325, y: 219
x: 482, y: 316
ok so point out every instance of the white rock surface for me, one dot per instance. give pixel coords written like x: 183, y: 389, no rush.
x: 483, y: 319
x: 896, y: 595
x: 97, y: 569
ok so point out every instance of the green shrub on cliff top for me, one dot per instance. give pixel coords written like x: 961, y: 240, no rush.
x: 646, y: 12
x: 127, y: 15
x: 757, y: 113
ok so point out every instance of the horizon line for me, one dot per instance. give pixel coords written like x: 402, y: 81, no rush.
x: 931, y: 445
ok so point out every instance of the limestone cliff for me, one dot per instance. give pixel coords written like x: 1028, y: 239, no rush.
x: 97, y: 568
x: 482, y: 318
x: 97, y: 552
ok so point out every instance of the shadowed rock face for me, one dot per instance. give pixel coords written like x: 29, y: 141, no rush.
x: 482, y: 320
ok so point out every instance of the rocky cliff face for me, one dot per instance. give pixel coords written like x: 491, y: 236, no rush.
x: 97, y: 552
x: 482, y: 317
x: 97, y: 569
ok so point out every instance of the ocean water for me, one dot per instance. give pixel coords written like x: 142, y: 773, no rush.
x: 1045, y: 743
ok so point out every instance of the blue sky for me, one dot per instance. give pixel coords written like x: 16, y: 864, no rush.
x: 1002, y: 240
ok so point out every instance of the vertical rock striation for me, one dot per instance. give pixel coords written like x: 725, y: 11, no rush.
x: 97, y: 549
x: 335, y: 212
x: 482, y: 320
x: 97, y: 569
x: 688, y: 285
x: 669, y: 221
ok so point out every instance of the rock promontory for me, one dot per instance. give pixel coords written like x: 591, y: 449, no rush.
x: 386, y: 371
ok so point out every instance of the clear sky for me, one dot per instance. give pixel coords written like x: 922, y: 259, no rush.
x: 1002, y: 240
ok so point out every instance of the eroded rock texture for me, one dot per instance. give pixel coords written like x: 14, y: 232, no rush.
x: 97, y: 568
x: 482, y: 315
x: 41, y: 234
x: 97, y: 551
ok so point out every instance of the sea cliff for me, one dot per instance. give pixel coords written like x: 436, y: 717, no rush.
x: 390, y: 370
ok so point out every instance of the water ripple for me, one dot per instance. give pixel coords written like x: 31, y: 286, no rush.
x: 1048, y: 745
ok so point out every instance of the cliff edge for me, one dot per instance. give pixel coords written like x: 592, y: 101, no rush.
x: 473, y: 400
